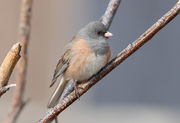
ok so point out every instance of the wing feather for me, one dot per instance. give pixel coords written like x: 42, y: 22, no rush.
x: 62, y: 65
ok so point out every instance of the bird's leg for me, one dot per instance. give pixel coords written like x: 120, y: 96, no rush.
x: 76, y: 89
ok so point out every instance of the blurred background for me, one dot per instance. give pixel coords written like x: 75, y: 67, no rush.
x: 143, y: 89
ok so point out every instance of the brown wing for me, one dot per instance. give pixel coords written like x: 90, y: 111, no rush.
x: 62, y: 65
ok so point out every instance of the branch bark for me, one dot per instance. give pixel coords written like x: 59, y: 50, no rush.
x: 110, y: 12
x: 9, y: 63
x: 24, y: 34
x: 7, y: 67
x: 130, y: 49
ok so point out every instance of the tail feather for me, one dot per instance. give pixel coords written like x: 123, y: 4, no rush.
x: 57, y: 93
x: 67, y: 90
x: 53, y: 81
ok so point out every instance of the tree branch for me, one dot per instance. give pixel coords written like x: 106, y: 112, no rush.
x: 110, y: 12
x: 7, y: 67
x: 9, y: 63
x: 24, y: 34
x: 6, y: 88
x: 130, y: 49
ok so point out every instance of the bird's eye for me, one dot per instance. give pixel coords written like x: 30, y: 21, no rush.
x: 100, y: 33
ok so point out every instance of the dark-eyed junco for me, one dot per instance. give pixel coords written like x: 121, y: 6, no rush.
x: 85, y: 55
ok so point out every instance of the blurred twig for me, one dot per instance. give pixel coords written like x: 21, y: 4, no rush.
x: 24, y: 34
x: 110, y: 12
x: 130, y: 49
x: 7, y: 67
x: 6, y: 88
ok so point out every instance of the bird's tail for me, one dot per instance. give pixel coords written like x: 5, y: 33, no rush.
x: 57, y: 93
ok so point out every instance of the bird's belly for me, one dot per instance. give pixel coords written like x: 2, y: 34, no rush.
x: 85, y: 67
x: 94, y: 64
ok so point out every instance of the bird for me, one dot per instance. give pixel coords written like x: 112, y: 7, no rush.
x: 84, y: 55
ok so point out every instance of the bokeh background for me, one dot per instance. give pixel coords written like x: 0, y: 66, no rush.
x: 143, y: 89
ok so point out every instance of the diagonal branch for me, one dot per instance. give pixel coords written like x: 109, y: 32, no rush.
x: 130, y: 49
x: 24, y: 34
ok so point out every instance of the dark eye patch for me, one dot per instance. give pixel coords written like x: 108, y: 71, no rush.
x: 100, y: 33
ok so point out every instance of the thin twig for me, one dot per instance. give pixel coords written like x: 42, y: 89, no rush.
x: 56, y: 120
x: 130, y: 49
x: 7, y: 67
x: 6, y: 88
x: 24, y: 34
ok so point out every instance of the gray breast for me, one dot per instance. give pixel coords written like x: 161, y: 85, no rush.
x: 100, y: 48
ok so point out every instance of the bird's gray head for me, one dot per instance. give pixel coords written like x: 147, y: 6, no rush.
x: 94, y: 31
